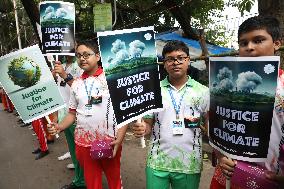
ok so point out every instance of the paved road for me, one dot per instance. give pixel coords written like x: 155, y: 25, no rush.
x: 19, y: 170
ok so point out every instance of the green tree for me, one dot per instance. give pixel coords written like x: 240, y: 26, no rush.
x: 138, y: 13
x: 8, y: 33
x: 190, y: 15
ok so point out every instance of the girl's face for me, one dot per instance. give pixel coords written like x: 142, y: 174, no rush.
x: 87, y: 59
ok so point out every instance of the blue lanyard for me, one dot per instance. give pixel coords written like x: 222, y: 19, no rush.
x: 177, y: 107
x: 89, y: 93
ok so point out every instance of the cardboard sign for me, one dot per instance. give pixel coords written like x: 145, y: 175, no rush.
x: 29, y: 84
x: 130, y: 64
x: 242, y: 96
x: 57, y: 21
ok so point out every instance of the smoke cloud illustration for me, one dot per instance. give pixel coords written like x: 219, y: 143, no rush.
x: 49, y: 13
x: 224, y: 80
x: 224, y: 73
x: 117, y: 46
x: 248, y: 81
x: 49, y: 9
x: 121, y: 55
x: 61, y: 13
x: 226, y: 84
x: 136, y: 48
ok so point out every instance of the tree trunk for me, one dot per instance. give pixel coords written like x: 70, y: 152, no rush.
x: 33, y: 14
x: 274, y: 8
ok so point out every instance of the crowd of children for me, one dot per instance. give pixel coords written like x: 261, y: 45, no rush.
x: 174, y: 157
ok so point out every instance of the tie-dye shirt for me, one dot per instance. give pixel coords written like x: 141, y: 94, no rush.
x: 101, y: 124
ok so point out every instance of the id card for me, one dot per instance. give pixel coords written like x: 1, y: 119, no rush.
x: 177, y: 127
x: 89, y: 110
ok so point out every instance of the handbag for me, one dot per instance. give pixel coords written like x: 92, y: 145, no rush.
x: 101, y: 148
x: 248, y: 175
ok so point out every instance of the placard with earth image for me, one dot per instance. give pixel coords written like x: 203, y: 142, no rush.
x: 242, y: 96
x: 29, y: 83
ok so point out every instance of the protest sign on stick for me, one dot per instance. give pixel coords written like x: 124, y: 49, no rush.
x: 130, y: 64
x: 57, y: 21
x: 29, y: 84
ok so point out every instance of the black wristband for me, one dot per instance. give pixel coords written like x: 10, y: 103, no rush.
x: 68, y: 78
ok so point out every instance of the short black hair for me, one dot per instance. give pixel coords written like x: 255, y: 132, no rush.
x: 268, y: 23
x: 92, y: 44
x: 175, y: 45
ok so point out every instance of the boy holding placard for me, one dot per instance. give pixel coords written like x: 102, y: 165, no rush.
x: 258, y: 36
x: 90, y: 106
x: 175, y: 152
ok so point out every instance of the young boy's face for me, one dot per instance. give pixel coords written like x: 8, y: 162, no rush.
x: 257, y: 43
x: 86, y: 58
x: 176, y: 64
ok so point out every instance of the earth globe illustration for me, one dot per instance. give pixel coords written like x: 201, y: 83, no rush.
x: 24, y: 72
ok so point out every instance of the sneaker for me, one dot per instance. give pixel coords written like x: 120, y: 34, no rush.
x: 50, y: 142
x: 65, y: 156
x: 70, y: 166
x: 36, y: 151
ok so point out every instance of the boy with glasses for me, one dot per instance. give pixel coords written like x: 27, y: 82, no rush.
x: 91, y: 108
x: 175, y: 153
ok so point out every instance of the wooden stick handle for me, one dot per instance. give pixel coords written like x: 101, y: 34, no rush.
x: 228, y: 183
x: 228, y: 180
x: 142, y: 139
x: 49, y: 121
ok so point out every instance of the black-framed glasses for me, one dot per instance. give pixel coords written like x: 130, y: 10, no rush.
x: 171, y: 60
x: 85, y: 55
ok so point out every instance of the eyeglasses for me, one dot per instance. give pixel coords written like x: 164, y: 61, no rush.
x: 85, y: 55
x: 171, y: 60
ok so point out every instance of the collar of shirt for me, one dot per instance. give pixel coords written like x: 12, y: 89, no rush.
x: 166, y: 83
x: 96, y: 74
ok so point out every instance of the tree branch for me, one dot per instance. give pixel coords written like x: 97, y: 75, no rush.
x: 183, y: 18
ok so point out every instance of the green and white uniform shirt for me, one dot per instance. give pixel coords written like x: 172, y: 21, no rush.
x: 178, y: 153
